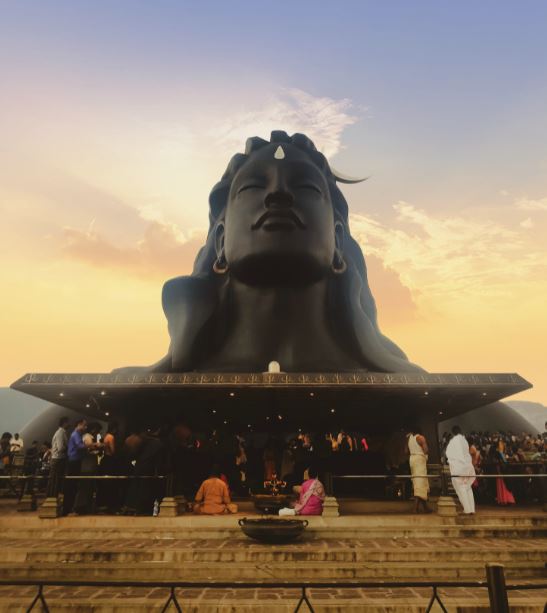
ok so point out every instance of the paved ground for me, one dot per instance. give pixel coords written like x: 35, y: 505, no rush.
x: 263, y: 599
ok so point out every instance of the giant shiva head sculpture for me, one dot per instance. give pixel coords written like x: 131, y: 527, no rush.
x: 279, y: 277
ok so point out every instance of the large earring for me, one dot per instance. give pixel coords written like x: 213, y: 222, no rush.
x: 220, y: 265
x: 339, y: 265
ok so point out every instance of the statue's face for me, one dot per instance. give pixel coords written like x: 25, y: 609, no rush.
x: 279, y: 223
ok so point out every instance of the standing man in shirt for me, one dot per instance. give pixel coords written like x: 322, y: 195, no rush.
x: 16, y: 443
x: 59, y: 450
x: 75, y: 452
x: 462, y: 469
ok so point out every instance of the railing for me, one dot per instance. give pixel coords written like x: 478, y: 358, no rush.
x: 27, y: 493
x: 495, y: 582
x: 444, y: 476
x: 77, y: 477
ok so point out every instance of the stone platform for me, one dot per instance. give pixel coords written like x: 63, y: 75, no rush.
x: 371, y: 547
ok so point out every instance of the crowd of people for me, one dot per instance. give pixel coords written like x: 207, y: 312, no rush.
x: 506, y: 447
x: 83, y: 450
x: 196, y: 465
x: 482, y: 454
x: 33, y: 459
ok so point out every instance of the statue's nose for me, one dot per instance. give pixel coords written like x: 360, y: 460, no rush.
x: 279, y: 199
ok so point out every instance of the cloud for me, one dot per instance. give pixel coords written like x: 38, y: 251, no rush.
x: 323, y: 119
x: 416, y: 263
x: 156, y: 194
x: 163, y: 251
x: 527, y: 223
x: 525, y: 204
x: 448, y: 259
x: 394, y: 300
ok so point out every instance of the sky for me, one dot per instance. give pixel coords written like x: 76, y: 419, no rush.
x: 116, y: 119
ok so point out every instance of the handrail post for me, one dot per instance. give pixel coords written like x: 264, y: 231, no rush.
x: 39, y: 598
x: 444, y: 481
x: 328, y: 483
x: 497, y: 592
x: 27, y: 501
x: 446, y: 506
x: 543, y: 487
x: 304, y: 599
x: 51, y: 507
x: 435, y: 597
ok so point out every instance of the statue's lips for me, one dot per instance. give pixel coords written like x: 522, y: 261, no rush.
x: 285, y: 219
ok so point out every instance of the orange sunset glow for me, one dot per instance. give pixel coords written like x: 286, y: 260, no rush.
x: 106, y: 166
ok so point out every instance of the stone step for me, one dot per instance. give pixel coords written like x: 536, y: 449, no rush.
x: 313, y: 531
x: 333, y: 600
x: 286, y: 571
x: 33, y: 524
x: 178, y: 555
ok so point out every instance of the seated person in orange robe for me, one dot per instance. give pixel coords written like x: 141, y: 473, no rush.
x: 213, y: 496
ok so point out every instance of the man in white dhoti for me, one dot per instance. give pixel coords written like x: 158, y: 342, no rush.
x: 461, y: 469
x: 417, y: 448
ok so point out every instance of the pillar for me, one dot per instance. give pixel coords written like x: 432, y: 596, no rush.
x: 27, y: 502
x: 430, y: 429
x: 169, y: 507
x: 51, y: 507
x: 330, y: 507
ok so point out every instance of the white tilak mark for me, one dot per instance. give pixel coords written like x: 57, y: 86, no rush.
x: 279, y: 153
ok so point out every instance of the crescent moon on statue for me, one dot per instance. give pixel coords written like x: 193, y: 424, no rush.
x: 342, y: 178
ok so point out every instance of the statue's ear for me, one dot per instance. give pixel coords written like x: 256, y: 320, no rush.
x: 219, y: 239
x: 339, y: 236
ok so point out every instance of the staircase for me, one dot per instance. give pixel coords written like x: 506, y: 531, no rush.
x: 347, y: 548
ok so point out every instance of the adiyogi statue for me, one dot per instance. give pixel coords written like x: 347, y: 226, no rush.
x: 280, y: 277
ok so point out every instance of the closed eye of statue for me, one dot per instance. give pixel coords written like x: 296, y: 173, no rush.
x: 310, y: 186
x: 250, y: 186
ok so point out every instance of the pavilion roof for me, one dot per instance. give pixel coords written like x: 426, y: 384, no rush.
x: 293, y: 399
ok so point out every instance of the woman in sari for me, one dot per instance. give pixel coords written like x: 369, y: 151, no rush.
x: 504, y: 496
x: 312, y: 495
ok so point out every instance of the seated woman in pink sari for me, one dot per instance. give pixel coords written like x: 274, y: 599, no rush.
x: 312, y: 495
